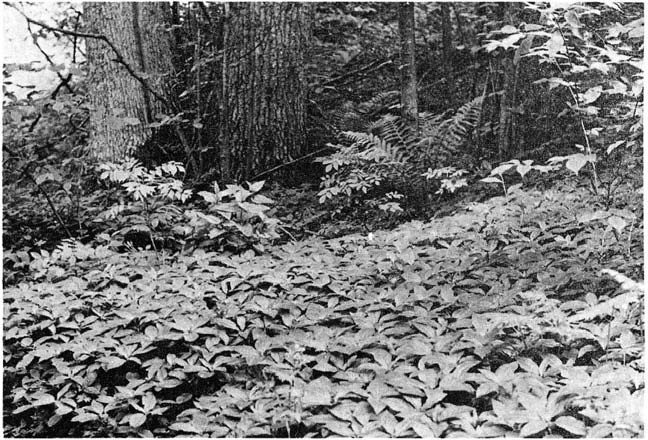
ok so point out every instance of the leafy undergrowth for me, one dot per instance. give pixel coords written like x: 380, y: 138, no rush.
x: 493, y: 322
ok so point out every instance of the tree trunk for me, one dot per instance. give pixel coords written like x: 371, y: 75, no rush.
x: 507, y: 138
x: 262, y: 88
x: 122, y: 105
x: 409, y: 104
x: 507, y: 132
x: 446, y: 41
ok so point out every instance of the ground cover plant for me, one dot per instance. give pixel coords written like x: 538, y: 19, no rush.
x: 276, y: 219
x: 496, y: 321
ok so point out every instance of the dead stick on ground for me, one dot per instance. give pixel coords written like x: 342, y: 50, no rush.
x: 283, y: 165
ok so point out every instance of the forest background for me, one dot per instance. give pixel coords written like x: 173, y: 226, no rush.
x: 356, y: 219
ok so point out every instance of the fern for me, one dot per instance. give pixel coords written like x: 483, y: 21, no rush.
x: 391, y: 151
x: 451, y: 133
x: 395, y: 131
x: 380, y: 102
x: 353, y: 118
x: 374, y: 148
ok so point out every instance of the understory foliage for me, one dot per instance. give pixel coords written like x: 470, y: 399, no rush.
x: 233, y: 218
x: 509, y: 318
x: 391, y: 158
x: 600, y: 72
x: 144, y: 299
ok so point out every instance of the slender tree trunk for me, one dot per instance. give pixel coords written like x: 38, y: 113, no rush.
x: 262, y: 86
x: 446, y: 41
x: 507, y: 134
x: 122, y: 105
x: 409, y: 97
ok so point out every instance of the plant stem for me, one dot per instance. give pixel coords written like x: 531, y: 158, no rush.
x: 588, y: 147
x: 150, y: 228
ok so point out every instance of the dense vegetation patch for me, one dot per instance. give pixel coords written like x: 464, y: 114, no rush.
x: 443, y: 244
x: 496, y: 321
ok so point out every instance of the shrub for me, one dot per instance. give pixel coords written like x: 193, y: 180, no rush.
x: 154, y: 211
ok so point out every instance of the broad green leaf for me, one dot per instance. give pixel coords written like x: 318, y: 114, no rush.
x: 627, y: 340
x: 591, y: 95
x: 318, y: 392
x: 185, y: 427
x: 501, y: 169
x: 528, y: 365
x: 136, y: 420
x: 508, y: 29
x: 602, y: 67
x: 85, y: 417
x: 256, y: 186
x: 600, y: 430
x: 148, y: 402
x: 617, y: 223
x: 340, y: 428
x: 571, y: 424
x: 209, y: 197
x: 533, y: 427
x: 577, y: 161
x: 555, y: 45
x: 44, y: 399
x: 343, y: 411
x: 524, y: 167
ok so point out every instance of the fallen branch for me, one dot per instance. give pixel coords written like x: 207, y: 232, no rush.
x: 292, y: 162
x: 371, y: 67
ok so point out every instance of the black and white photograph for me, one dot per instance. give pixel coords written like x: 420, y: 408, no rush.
x: 323, y: 219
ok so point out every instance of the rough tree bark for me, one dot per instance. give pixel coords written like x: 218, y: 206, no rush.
x: 122, y: 105
x: 409, y: 97
x: 262, y: 88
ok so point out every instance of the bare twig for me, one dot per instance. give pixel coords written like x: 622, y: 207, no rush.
x: 53, y: 95
x: 29, y: 175
x: 48, y: 58
x: 119, y: 58
x: 371, y: 67
x: 284, y: 165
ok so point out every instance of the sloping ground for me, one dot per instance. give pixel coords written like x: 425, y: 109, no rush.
x: 493, y: 322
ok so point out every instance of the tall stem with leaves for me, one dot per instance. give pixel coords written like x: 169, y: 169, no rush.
x: 574, y: 95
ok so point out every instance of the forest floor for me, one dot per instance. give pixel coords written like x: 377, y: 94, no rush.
x: 497, y: 320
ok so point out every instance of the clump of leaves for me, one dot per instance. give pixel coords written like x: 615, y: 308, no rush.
x: 46, y: 177
x: 235, y: 218
x: 147, y: 205
x: 236, y: 215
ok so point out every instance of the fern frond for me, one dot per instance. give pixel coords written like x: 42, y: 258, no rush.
x: 374, y: 148
x: 395, y: 131
x: 465, y: 119
x: 378, y: 103
x: 452, y: 133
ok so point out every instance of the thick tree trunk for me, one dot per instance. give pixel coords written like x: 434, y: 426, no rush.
x: 262, y: 87
x: 122, y: 105
x: 409, y: 99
